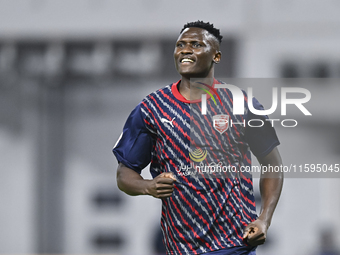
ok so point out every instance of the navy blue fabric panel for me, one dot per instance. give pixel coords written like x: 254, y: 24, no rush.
x: 135, y: 145
x: 262, y: 140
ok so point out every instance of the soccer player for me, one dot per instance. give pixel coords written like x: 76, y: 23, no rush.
x: 210, y: 213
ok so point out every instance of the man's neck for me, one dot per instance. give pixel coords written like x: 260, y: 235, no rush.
x: 190, y: 91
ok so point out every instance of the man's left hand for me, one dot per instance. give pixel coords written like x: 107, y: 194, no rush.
x: 255, y: 233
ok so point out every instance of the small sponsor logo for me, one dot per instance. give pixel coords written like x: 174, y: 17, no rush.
x: 198, y: 155
x: 163, y: 120
x: 221, y: 122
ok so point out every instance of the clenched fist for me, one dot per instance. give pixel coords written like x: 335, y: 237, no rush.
x: 162, y: 185
x: 255, y: 233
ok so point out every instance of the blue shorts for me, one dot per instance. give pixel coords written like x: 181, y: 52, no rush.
x: 239, y: 250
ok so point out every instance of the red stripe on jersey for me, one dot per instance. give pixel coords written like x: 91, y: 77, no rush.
x: 169, y: 118
x: 231, y: 146
x: 174, y: 122
x: 180, y: 234
x: 175, y: 103
x: 240, y: 203
x: 198, y: 215
x: 229, y: 142
x: 166, y: 233
x: 195, y: 122
x: 207, y: 203
x: 224, y: 108
x: 237, y: 214
x: 247, y: 199
x: 175, y: 146
x: 232, y: 225
x: 170, y: 231
x: 190, y: 227
x: 203, y: 135
x: 219, y: 204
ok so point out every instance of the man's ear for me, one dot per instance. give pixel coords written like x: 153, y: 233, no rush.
x: 217, y: 57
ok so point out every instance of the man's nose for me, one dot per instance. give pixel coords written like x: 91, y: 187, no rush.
x: 186, y: 49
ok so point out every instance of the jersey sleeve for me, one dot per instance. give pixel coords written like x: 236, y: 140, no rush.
x: 262, y: 139
x: 135, y: 144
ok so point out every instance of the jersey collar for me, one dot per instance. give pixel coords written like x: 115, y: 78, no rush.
x: 178, y: 95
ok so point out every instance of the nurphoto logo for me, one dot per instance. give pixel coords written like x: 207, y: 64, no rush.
x: 221, y: 122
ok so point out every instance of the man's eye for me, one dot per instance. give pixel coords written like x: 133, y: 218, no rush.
x: 197, y: 45
x: 179, y: 45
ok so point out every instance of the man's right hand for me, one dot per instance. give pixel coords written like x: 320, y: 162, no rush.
x: 162, y: 185
x: 133, y: 184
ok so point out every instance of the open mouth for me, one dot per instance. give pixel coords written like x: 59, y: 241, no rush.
x: 187, y: 60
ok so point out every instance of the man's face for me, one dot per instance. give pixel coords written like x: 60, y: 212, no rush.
x: 195, y: 52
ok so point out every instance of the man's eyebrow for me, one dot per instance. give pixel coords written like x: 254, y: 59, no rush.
x: 191, y: 41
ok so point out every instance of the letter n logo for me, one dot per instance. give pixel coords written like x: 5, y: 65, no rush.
x: 221, y: 122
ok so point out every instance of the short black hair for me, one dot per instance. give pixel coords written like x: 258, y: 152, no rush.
x: 207, y: 26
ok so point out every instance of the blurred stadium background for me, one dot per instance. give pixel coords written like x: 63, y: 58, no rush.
x: 72, y: 70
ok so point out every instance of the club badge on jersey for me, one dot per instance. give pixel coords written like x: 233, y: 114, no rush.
x: 221, y: 122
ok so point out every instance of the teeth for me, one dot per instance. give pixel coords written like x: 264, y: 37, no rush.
x: 187, y: 60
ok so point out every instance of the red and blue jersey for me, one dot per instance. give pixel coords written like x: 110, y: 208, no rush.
x: 209, y: 207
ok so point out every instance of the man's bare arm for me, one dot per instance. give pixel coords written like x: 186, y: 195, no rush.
x: 270, y: 187
x: 132, y: 183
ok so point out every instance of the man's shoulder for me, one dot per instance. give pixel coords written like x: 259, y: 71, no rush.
x: 160, y: 93
x: 156, y: 101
